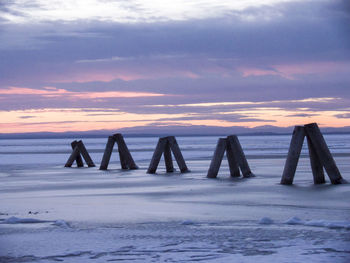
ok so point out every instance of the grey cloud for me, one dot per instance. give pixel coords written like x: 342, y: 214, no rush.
x: 27, y: 117
x: 301, y: 115
x: 217, y: 116
x: 210, y: 89
x: 343, y: 116
x: 306, y: 31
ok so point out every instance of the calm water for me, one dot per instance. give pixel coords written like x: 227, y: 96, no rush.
x: 21, y: 153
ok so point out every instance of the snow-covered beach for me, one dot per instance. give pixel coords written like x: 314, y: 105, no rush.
x: 51, y: 213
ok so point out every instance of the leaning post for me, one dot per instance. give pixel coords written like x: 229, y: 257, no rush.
x: 217, y: 158
x: 316, y: 165
x: 295, y: 147
x: 240, y: 156
x: 323, y: 153
x: 156, y: 156
x: 107, y: 153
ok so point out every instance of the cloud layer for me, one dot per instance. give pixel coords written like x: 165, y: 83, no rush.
x: 233, y: 63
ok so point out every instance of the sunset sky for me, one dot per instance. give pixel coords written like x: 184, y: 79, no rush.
x: 100, y: 64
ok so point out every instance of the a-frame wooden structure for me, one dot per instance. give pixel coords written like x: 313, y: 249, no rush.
x: 165, y: 146
x: 78, y: 151
x: 320, y: 156
x: 126, y: 160
x: 235, y: 157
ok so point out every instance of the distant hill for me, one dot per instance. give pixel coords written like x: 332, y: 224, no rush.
x: 169, y: 130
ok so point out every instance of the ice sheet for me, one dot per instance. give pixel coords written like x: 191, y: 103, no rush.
x: 88, y: 215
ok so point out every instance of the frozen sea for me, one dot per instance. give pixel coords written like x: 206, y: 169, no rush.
x: 49, y: 213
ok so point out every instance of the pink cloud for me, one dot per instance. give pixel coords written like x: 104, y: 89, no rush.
x: 54, y: 92
x: 246, y: 72
x: 289, y: 71
x: 110, y: 75
x: 48, y: 91
x: 85, y: 77
x: 312, y: 68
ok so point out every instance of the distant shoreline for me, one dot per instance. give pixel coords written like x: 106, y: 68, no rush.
x: 135, y: 135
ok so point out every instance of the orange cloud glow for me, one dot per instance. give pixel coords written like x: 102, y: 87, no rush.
x: 73, y: 119
x: 77, y: 119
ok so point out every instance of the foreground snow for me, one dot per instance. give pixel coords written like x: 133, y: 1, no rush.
x: 86, y: 215
x: 234, y: 241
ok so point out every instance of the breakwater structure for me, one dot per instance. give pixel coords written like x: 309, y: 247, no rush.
x: 235, y: 157
x: 165, y: 146
x: 320, y: 156
x: 126, y: 160
x: 78, y: 151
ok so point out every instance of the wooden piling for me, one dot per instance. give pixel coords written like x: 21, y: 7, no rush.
x: 295, y: 147
x: 78, y: 159
x: 316, y: 165
x: 323, y: 153
x: 107, y: 153
x: 124, y: 151
x: 177, y: 154
x: 235, y: 157
x: 168, y: 158
x: 123, y: 161
x: 79, y: 148
x: 72, y: 157
x: 240, y: 156
x: 85, y: 154
x: 126, y: 160
x: 157, y: 155
x: 217, y: 158
x: 232, y: 160
x: 167, y: 145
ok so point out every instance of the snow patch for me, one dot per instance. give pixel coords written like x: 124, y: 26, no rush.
x: 294, y: 221
x: 188, y: 222
x: 266, y: 221
x: 61, y: 223
x: 319, y: 223
x: 328, y: 224
x: 16, y: 220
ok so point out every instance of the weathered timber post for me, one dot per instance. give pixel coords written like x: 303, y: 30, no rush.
x: 168, y: 158
x: 126, y: 160
x: 78, y: 150
x: 107, y: 153
x: 239, y: 155
x: 73, y: 157
x: 323, y: 153
x: 232, y: 161
x: 177, y: 154
x: 217, y: 158
x: 295, y: 147
x: 157, y: 155
x: 320, y: 156
x: 316, y: 165
x: 124, y: 152
x: 85, y: 154
x: 78, y: 159
x: 165, y: 146
x: 235, y: 157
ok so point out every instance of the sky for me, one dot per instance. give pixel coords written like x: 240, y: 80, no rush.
x: 85, y: 65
